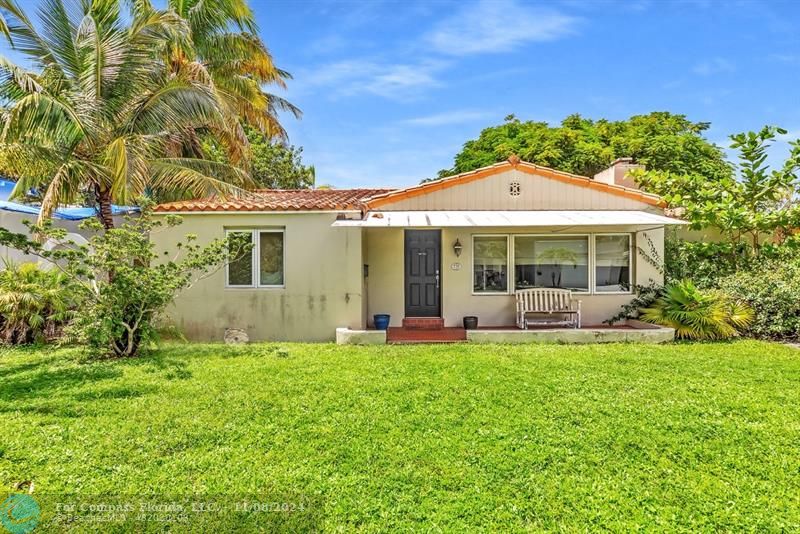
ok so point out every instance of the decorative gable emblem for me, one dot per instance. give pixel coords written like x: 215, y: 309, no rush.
x: 514, y: 189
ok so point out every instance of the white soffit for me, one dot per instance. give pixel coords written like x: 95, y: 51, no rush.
x: 438, y: 219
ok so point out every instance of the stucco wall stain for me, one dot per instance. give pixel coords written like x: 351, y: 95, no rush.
x: 231, y: 316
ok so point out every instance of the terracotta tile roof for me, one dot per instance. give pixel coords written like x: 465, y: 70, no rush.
x: 512, y: 163
x: 279, y: 200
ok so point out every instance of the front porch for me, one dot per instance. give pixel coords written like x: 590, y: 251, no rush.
x: 448, y: 277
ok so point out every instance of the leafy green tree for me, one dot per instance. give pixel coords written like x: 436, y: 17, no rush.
x: 659, y: 140
x: 124, y: 287
x: 749, y: 204
x: 273, y: 165
x: 103, y: 112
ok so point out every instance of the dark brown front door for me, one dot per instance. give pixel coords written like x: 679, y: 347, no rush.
x: 423, y: 267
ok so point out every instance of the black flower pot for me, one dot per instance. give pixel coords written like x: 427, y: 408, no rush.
x: 470, y: 322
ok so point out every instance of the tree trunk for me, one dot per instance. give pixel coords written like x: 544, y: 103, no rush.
x: 104, y: 202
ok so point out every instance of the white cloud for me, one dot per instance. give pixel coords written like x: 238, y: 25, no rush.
x: 712, y: 66
x: 449, y: 117
x: 397, y: 81
x: 498, y: 26
x: 784, y: 58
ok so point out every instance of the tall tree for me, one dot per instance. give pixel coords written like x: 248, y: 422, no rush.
x: 102, y: 112
x: 751, y: 202
x: 225, y: 49
x: 659, y: 140
x: 273, y: 165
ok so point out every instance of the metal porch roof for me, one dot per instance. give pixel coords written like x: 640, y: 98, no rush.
x: 404, y: 219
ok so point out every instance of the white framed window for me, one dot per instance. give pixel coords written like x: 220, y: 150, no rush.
x: 613, y: 263
x: 596, y: 264
x: 264, y: 265
x: 553, y: 261
x: 489, y: 264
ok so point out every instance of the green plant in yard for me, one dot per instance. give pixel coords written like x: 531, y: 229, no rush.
x: 35, y: 303
x: 698, y: 314
x: 773, y: 291
x: 644, y: 297
x: 124, y: 286
x: 750, y: 204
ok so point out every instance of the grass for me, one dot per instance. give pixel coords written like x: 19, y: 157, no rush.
x: 451, y: 437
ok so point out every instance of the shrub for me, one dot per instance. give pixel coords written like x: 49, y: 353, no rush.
x: 704, y: 262
x: 644, y: 297
x: 124, y: 284
x: 698, y: 314
x: 773, y: 291
x: 35, y: 303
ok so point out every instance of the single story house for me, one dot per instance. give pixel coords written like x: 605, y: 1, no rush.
x: 446, y: 249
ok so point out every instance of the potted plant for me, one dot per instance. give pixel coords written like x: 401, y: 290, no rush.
x: 381, y: 321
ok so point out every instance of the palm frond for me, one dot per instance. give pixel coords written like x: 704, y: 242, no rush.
x: 172, y: 107
x: 695, y: 314
x: 198, y: 177
x: 21, y: 33
x: 67, y: 184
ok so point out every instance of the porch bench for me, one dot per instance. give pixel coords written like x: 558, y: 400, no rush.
x: 546, y: 301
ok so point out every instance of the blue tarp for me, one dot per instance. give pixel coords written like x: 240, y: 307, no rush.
x: 70, y: 214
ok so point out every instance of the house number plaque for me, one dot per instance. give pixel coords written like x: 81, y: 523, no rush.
x: 455, y: 266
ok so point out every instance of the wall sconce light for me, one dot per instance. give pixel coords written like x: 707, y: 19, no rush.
x: 457, y: 247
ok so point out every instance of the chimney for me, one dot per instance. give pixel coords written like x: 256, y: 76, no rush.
x: 617, y: 173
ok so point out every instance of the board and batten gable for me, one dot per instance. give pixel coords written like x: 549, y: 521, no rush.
x: 514, y: 189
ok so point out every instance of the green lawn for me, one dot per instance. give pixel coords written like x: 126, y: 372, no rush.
x: 449, y: 437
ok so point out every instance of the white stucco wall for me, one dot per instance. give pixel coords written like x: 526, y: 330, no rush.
x: 323, y: 281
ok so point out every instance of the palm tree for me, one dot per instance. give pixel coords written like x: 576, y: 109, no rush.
x: 103, y: 112
x: 697, y: 314
x: 225, y: 48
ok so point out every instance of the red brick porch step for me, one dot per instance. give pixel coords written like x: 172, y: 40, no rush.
x: 423, y: 323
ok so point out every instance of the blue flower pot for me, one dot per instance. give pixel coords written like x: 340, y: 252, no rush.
x: 381, y: 321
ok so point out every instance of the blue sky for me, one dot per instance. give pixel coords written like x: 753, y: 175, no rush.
x: 391, y: 90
